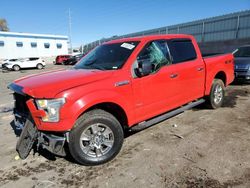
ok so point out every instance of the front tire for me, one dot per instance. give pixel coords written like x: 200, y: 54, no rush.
x: 217, y: 94
x: 96, y: 138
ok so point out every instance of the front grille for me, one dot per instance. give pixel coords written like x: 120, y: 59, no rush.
x: 20, y: 104
x: 241, y: 70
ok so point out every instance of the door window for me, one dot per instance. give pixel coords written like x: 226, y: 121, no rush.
x: 157, y: 53
x: 182, y: 50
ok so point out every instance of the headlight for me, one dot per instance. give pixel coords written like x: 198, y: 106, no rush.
x: 51, y: 107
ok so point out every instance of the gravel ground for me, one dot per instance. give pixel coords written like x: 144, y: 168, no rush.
x: 212, y: 149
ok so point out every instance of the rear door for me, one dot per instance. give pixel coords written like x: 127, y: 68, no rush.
x: 190, y: 70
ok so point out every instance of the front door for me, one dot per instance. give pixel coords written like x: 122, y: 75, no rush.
x: 156, y: 92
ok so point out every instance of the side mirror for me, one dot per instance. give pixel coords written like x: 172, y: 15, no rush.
x: 144, y: 68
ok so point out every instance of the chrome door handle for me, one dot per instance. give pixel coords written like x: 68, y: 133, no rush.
x: 173, y: 75
x: 200, y: 69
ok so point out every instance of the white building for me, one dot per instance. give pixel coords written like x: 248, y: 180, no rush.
x: 19, y: 45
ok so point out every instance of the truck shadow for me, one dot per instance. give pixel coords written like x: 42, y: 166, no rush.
x: 230, y: 100
x: 231, y: 97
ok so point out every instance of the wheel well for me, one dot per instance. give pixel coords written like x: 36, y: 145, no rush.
x: 115, y: 110
x: 221, y: 75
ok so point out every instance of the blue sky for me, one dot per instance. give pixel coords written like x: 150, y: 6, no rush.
x: 95, y: 19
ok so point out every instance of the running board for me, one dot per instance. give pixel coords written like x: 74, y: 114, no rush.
x: 148, y: 123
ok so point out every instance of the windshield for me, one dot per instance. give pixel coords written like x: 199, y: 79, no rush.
x: 242, y: 52
x: 107, y: 56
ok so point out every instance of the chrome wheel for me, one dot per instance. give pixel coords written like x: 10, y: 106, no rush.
x: 218, y: 94
x: 96, y: 140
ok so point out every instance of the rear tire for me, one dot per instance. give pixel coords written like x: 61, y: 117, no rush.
x: 39, y: 66
x: 217, y: 94
x: 96, y: 138
x: 16, y: 67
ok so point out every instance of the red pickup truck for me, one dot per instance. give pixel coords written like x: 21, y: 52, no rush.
x: 122, y: 84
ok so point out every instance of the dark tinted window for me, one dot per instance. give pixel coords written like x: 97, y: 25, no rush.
x: 243, y: 52
x: 46, y: 45
x: 33, y: 44
x: 182, y: 50
x: 33, y: 58
x: 13, y: 59
x: 59, y: 45
x: 157, y: 53
x: 19, y: 44
x: 1, y: 43
x: 107, y: 56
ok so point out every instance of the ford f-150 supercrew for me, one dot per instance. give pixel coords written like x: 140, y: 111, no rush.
x: 119, y: 85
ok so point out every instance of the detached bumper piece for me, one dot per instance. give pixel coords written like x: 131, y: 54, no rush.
x: 27, y: 139
x: 31, y: 137
x: 27, y: 118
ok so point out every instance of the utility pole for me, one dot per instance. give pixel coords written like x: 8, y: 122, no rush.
x: 70, y: 37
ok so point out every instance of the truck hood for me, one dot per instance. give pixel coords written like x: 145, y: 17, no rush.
x: 49, y: 84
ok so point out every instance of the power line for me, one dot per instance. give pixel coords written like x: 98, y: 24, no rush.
x: 70, y: 37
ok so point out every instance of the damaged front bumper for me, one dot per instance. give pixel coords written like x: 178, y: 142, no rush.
x: 32, y: 138
x: 27, y: 119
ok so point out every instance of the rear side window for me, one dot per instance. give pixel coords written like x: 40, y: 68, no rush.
x: 182, y: 50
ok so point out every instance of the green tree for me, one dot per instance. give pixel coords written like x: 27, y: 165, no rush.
x: 3, y: 25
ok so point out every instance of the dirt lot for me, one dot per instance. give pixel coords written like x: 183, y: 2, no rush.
x: 213, y: 150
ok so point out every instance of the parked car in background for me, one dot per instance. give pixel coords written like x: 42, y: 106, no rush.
x: 17, y: 64
x: 61, y: 58
x: 73, y: 60
x: 242, y: 63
